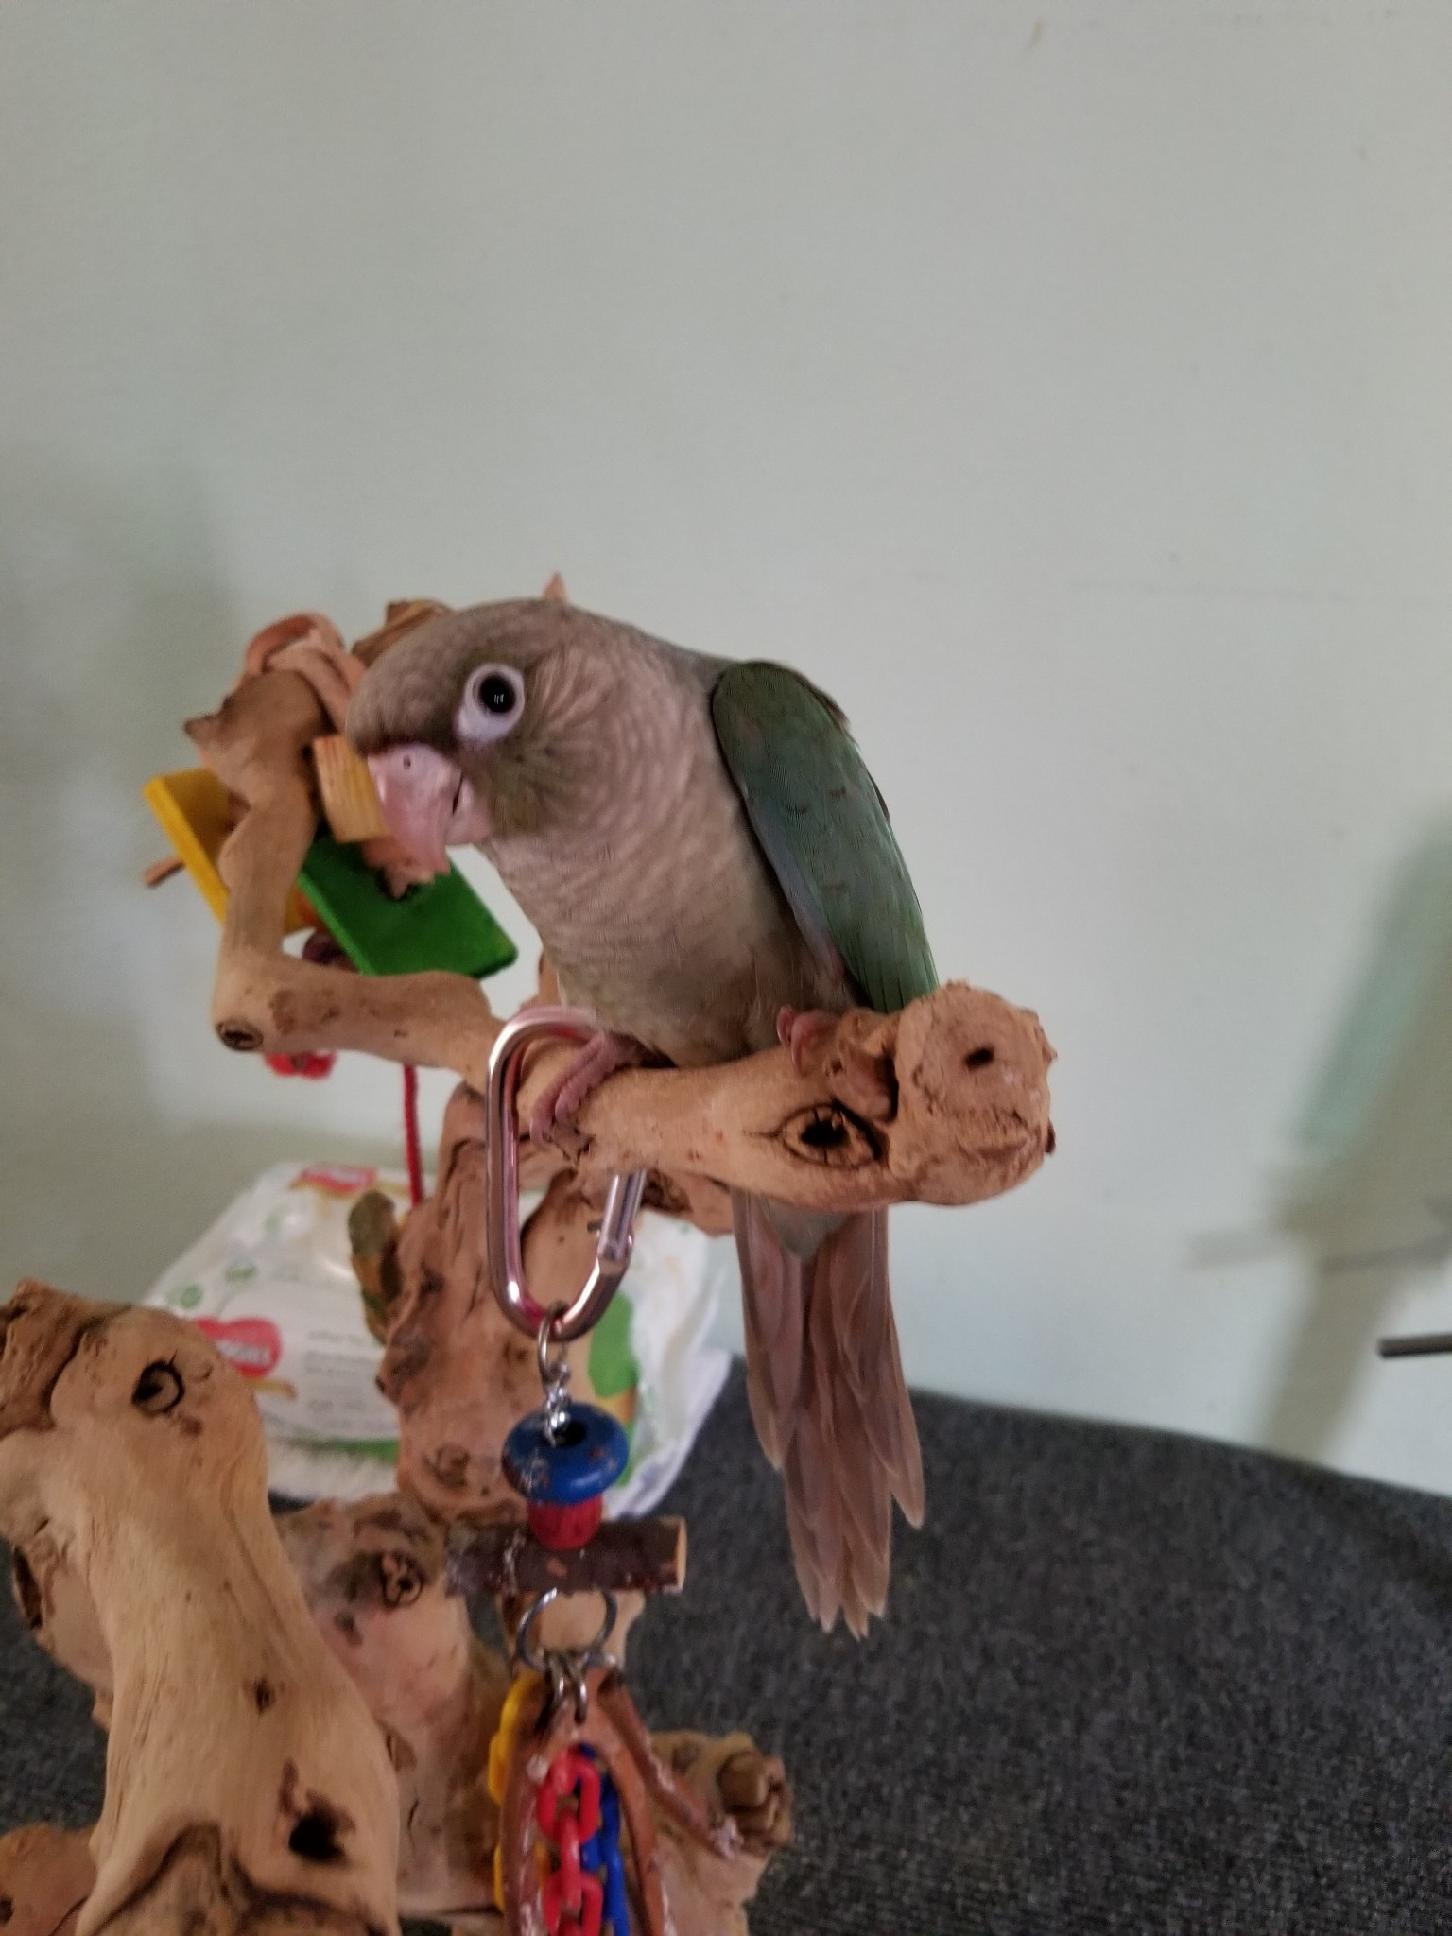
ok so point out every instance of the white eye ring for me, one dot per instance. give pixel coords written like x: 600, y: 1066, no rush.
x: 492, y: 703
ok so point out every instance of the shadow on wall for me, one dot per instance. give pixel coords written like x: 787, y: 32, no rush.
x: 109, y: 601
x: 1371, y: 1206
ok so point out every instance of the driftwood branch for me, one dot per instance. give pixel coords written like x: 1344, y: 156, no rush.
x: 375, y: 1576
x: 247, y: 1786
x: 372, y: 1572
x: 244, y: 1773
x: 946, y: 1102
x: 46, y: 1874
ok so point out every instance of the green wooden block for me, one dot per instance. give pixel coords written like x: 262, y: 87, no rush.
x: 442, y: 925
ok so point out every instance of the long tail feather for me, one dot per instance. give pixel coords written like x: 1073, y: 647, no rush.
x: 828, y: 1398
x: 773, y: 1304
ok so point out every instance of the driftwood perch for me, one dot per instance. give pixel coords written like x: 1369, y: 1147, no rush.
x: 243, y: 1771
x: 300, y: 1716
x: 247, y: 1786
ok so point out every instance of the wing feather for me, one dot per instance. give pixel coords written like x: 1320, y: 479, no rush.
x: 823, y: 826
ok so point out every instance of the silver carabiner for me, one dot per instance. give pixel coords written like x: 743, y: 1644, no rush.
x: 505, y: 1249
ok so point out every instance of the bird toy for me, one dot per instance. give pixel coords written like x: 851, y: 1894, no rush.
x: 571, y: 1765
x: 363, y: 906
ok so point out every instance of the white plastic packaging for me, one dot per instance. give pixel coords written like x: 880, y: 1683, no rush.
x: 272, y: 1284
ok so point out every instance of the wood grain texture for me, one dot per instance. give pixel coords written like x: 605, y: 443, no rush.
x: 139, y: 1478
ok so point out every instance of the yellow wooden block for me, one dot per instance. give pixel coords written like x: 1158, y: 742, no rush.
x: 196, y: 817
x: 350, y: 800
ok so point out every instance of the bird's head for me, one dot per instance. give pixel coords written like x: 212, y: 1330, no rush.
x: 476, y: 723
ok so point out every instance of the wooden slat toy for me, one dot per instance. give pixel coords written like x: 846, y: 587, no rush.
x: 195, y: 812
x: 345, y: 786
x: 440, y: 925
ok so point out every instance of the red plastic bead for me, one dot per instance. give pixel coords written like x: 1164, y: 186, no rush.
x: 563, y: 1528
x: 312, y: 1065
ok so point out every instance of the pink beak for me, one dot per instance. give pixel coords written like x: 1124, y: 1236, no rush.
x: 420, y: 793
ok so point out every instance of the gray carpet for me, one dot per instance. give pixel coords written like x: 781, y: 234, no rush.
x: 1131, y: 1683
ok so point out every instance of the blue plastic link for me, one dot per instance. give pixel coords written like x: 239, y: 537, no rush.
x: 602, y: 1853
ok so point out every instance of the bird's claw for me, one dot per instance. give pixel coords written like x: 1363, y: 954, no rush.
x: 800, y: 1029
x: 551, y: 1120
x: 844, y: 1053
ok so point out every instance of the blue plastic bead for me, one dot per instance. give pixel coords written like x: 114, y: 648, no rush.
x: 589, y: 1456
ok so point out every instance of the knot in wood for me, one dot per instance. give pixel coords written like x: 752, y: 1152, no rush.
x: 831, y: 1136
x: 400, y: 1578
x: 241, y: 1036
x: 28, y: 1595
x: 159, y: 1388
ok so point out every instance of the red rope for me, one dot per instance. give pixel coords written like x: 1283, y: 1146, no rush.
x: 411, y: 1147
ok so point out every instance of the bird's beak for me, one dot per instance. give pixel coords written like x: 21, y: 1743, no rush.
x: 426, y: 801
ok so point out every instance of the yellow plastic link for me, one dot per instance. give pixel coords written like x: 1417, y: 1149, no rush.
x: 513, y: 1719
x: 526, y: 1688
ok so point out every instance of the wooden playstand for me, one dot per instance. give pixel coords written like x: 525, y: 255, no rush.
x: 300, y: 1716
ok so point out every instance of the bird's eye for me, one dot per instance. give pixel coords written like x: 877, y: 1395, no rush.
x: 495, y: 693
x: 492, y: 702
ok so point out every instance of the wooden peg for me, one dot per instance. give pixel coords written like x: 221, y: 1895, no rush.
x: 625, y: 1556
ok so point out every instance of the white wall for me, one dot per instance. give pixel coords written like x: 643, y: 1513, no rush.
x: 1064, y: 385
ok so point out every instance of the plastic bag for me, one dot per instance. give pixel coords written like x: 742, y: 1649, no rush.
x: 272, y: 1285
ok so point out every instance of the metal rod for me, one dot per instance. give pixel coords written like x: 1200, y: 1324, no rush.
x: 1434, y: 1344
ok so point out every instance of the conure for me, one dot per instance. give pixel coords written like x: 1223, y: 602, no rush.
x: 710, y: 869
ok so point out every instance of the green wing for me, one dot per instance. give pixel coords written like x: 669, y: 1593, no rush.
x: 823, y: 826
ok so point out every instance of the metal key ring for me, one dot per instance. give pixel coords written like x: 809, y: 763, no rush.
x: 505, y: 1250
x: 592, y: 1655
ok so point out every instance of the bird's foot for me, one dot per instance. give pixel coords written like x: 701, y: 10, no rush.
x: 800, y: 1029
x: 846, y: 1054
x: 561, y: 1101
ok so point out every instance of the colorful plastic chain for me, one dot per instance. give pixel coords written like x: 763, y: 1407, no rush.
x: 567, y: 1808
